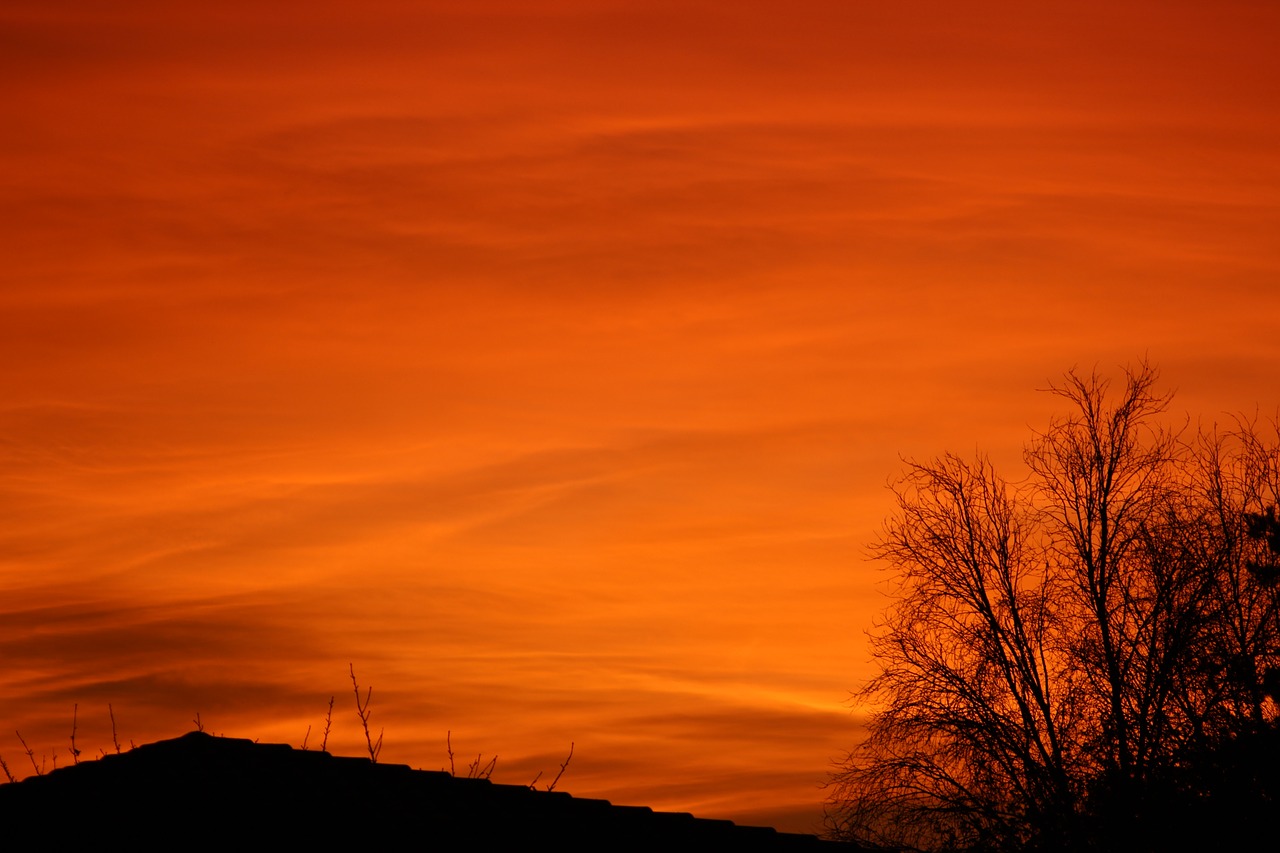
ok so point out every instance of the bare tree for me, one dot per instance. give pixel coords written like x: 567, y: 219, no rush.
x: 1060, y: 650
x: 966, y: 746
x: 1239, y: 472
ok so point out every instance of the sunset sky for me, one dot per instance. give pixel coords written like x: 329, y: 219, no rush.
x: 548, y: 360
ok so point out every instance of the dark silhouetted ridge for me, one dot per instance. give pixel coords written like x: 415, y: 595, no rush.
x: 199, y: 788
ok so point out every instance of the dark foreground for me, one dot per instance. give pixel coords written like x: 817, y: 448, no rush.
x: 198, y: 790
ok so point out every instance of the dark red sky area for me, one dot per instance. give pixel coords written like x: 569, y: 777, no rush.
x: 548, y: 360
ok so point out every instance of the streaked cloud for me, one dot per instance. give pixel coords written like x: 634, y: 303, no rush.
x: 548, y: 361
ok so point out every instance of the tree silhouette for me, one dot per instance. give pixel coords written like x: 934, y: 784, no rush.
x: 1073, y: 661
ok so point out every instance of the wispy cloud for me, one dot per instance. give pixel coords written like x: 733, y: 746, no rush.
x: 548, y: 363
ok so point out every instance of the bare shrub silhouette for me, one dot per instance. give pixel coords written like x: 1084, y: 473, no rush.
x: 477, y: 769
x: 1068, y: 658
x: 363, y: 712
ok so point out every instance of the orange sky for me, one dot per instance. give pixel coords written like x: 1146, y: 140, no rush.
x: 547, y: 360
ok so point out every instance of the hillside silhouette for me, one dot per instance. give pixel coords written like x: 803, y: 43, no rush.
x: 198, y: 788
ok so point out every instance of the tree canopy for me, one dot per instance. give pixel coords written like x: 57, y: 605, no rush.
x: 1087, y: 658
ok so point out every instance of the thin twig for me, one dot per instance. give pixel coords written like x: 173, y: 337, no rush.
x: 115, y: 740
x: 448, y: 744
x: 475, y: 771
x: 304, y: 739
x: 199, y: 725
x: 328, y: 721
x: 75, y: 753
x: 568, y: 758
x: 31, y: 756
x: 5, y: 768
x: 362, y: 710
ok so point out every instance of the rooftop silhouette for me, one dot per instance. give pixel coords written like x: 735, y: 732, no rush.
x: 199, y: 788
